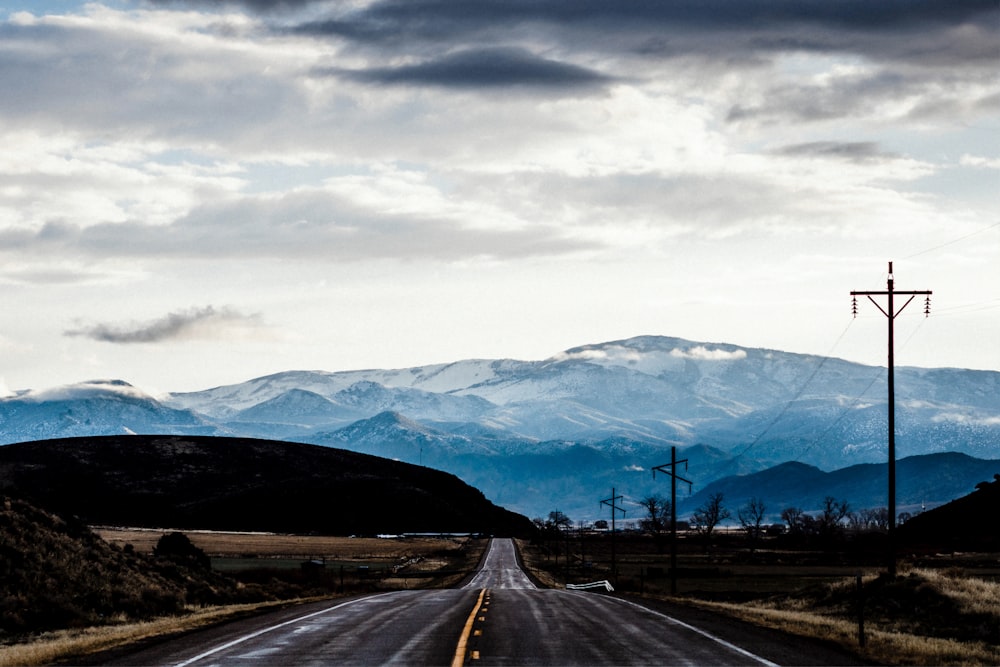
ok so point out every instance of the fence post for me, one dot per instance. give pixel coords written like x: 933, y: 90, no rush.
x: 861, y: 612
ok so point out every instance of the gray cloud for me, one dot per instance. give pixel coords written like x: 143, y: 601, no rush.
x: 942, y: 94
x: 870, y: 14
x: 61, y: 76
x: 482, y: 68
x: 256, y: 5
x: 934, y: 51
x: 207, y: 322
x: 855, y: 151
x: 308, y: 224
x: 57, y: 275
x: 439, y: 16
x: 668, y: 28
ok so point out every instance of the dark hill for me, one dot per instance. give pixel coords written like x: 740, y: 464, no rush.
x: 56, y: 573
x: 969, y: 523
x: 200, y: 482
x: 930, y: 479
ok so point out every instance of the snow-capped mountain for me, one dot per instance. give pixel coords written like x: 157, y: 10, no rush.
x: 655, y: 390
x: 592, y: 415
x: 99, y: 407
x: 392, y: 435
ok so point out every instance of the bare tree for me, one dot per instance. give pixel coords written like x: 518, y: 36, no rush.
x: 830, y: 521
x: 559, y: 521
x: 751, y: 518
x: 657, y: 517
x: 710, y: 515
x: 793, y: 517
x: 554, y: 530
x: 870, y: 519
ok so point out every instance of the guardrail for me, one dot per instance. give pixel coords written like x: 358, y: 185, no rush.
x: 605, y: 584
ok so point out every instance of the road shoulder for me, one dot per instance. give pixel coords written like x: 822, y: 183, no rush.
x: 779, y: 647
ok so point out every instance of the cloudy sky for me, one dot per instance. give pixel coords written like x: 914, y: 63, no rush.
x: 198, y: 193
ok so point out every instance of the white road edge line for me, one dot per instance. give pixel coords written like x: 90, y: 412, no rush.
x: 707, y: 635
x: 297, y: 619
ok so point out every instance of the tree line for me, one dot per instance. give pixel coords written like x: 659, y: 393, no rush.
x: 832, y: 520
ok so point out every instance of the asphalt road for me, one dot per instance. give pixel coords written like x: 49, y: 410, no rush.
x: 498, y: 618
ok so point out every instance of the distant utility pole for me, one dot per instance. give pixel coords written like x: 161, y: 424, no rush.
x: 891, y: 312
x: 673, y: 509
x: 612, y: 502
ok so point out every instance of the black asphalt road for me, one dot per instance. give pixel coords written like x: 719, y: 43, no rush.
x: 499, y: 618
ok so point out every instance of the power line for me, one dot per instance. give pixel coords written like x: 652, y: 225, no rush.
x: 794, y: 398
x: 854, y: 402
x: 964, y: 308
x: 954, y: 241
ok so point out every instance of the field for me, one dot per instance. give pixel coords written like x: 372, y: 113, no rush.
x: 366, y: 562
x: 272, y: 545
x: 941, y: 609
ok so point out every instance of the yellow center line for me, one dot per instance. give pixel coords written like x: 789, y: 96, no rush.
x: 463, y: 641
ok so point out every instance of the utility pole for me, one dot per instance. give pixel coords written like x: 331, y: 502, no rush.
x: 891, y: 312
x: 612, y: 502
x: 673, y: 509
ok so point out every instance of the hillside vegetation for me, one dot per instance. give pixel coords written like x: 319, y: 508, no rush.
x: 56, y: 573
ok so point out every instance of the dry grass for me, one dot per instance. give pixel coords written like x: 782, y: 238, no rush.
x: 882, y: 647
x: 923, y: 617
x: 457, y: 566
x: 973, y: 595
x: 269, y: 545
x: 535, y: 563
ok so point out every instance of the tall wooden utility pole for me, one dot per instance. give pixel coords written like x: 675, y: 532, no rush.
x: 890, y: 312
x: 612, y: 502
x: 673, y: 509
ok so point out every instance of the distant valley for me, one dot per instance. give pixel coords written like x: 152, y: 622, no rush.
x: 560, y: 433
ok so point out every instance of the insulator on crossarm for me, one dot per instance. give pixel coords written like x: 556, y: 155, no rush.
x: 927, y: 306
x: 854, y: 306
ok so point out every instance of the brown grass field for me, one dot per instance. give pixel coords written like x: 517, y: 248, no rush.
x: 393, y: 562
x: 270, y: 545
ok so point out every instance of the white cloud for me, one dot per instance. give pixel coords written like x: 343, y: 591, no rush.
x: 968, y: 420
x: 83, y: 390
x: 979, y: 161
x: 582, y: 355
x: 705, y: 354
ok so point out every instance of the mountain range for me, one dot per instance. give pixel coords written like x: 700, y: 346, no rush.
x: 562, y: 432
